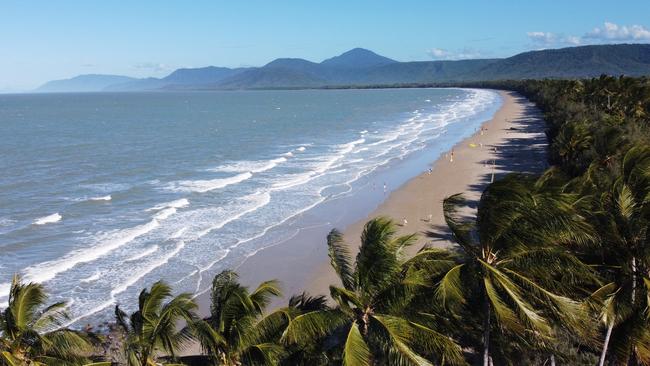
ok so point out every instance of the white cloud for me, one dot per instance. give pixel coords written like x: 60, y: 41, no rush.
x: 461, y: 54
x: 439, y: 53
x: 573, y: 40
x: 548, y: 39
x: 608, y: 33
x: 542, y: 37
x: 619, y: 33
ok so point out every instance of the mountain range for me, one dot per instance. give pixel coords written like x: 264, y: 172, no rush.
x: 361, y: 67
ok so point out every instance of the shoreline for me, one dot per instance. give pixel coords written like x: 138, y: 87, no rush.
x: 301, y: 263
x: 516, y: 131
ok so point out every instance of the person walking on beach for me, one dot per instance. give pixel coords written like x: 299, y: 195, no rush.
x: 451, y: 160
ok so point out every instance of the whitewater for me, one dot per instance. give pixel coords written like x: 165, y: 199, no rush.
x: 103, y: 194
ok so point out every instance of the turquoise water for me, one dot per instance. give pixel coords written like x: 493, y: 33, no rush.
x: 103, y: 194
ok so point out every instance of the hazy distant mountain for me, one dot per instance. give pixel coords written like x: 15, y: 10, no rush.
x: 210, y: 74
x: 178, y: 79
x: 83, y: 83
x: 364, y: 67
x: 269, y: 77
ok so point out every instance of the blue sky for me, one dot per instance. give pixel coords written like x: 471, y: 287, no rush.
x: 45, y: 40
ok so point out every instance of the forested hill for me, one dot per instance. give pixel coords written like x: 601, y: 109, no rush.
x: 363, y: 67
x: 572, y: 62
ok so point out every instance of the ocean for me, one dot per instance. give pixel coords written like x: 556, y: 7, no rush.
x: 102, y: 194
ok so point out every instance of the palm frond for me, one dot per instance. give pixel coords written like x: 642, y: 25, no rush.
x: 153, y: 299
x: 210, y: 340
x: 460, y: 229
x: 262, y: 354
x: 24, y: 300
x: 313, y: 325
x: 345, y: 298
x: 264, y: 293
x: 400, y: 338
x: 340, y: 258
x: 449, y: 290
x: 52, y: 317
x: 506, y: 317
x: 437, y: 343
x: 355, y: 351
x: 625, y: 202
x: 304, y: 302
x: 533, y: 319
x: 270, y: 327
x: 377, y: 261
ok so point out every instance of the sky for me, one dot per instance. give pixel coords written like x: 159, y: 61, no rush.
x: 45, y: 40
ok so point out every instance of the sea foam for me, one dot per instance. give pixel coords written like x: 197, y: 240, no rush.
x: 101, y: 198
x: 203, y: 186
x: 250, y: 166
x: 107, y: 243
x: 49, y: 219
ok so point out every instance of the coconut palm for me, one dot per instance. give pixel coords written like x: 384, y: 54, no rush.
x: 237, y: 330
x: 623, y: 217
x: 368, y: 321
x: 311, y: 352
x: 32, y: 333
x: 511, y: 257
x: 152, y: 330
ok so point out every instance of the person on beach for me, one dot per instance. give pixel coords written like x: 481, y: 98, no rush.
x: 451, y: 160
x: 404, y: 222
x: 385, y: 188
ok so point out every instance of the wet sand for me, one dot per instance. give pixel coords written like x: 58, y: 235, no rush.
x: 512, y: 141
x: 301, y: 262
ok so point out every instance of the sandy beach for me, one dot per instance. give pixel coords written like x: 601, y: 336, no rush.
x: 512, y: 141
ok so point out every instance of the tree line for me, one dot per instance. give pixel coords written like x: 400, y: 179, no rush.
x: 553, y: 269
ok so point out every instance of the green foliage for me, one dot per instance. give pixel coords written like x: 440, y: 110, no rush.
x: 237, y: 330
x: 32, y: 333
x: 152, y: 330
x: 554, y: 267
x: 598, y: 130
x: 371, y: 322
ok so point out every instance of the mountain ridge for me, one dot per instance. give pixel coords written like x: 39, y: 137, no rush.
x: 364, y: 67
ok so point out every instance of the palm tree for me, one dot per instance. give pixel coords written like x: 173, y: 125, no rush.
x: 512, y: 255
x: 237, y: 331
x: 311, y: 352
x: 571, y: 145
x: 152, y: 329
x: 368, y: 320
x: 623, y: 217
x: 31, y: 333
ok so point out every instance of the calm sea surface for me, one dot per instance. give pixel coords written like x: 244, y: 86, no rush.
x: 103, y: 194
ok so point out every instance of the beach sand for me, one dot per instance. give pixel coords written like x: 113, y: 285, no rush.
x: 516, y: 132
x: 301, y: 263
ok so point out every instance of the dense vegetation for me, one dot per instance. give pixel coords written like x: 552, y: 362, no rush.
x: 553, y: 269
